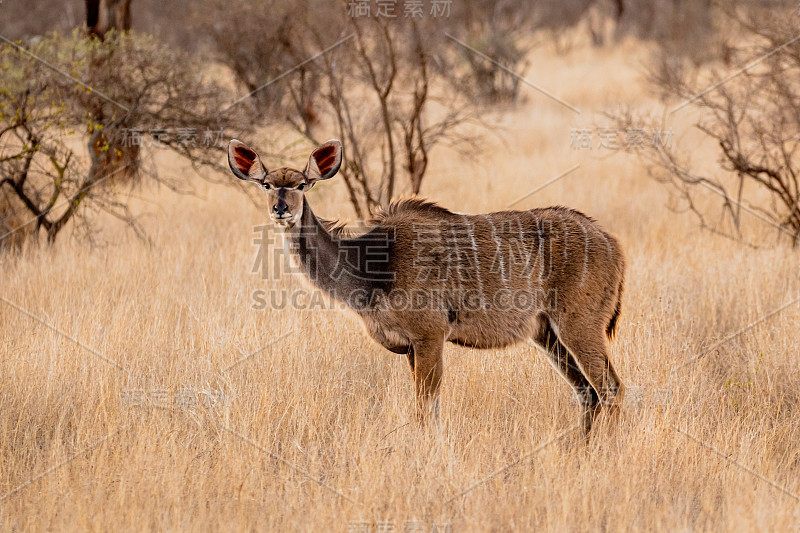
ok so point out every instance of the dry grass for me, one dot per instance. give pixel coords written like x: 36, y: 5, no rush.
x: 313, y: 432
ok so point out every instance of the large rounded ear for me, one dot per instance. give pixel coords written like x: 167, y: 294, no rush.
x: 325, y: 161
x: 245, y: 163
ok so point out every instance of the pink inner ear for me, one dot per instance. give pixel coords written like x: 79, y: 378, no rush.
x: 243, y: 158
x: 325, y: 158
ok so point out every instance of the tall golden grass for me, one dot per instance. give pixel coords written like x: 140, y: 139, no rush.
x: 120, y: 408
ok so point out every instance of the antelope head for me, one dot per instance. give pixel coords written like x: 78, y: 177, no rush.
x: 285, y: 186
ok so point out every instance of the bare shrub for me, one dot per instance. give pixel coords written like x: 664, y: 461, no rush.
x: 688, y: 28
x: 384, y: 90
x: 134, y: 88
x: 497, y: 30
x: 753, y: 117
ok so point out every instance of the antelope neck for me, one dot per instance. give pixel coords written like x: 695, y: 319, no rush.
x: 350, y: 270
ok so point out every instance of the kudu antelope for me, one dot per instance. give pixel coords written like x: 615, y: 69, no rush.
x: 424, y: 275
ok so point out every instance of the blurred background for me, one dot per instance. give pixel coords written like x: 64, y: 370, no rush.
x: 159, y: 371
x: 393, y: 80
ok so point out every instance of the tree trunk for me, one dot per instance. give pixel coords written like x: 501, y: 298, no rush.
x: 104, y: 15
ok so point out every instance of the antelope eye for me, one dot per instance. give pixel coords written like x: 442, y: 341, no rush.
x: 266, y: 186
x: 301, y: 186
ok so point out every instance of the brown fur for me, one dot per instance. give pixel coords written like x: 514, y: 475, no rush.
x: 424, y: 275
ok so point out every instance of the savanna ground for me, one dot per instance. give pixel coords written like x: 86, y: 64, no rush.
x: 141, y: 388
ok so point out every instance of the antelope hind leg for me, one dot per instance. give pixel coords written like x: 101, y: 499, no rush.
x: 590, y: 350
x: 564, y: 362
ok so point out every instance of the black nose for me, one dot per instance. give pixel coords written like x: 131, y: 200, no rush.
x: 280, y: 209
